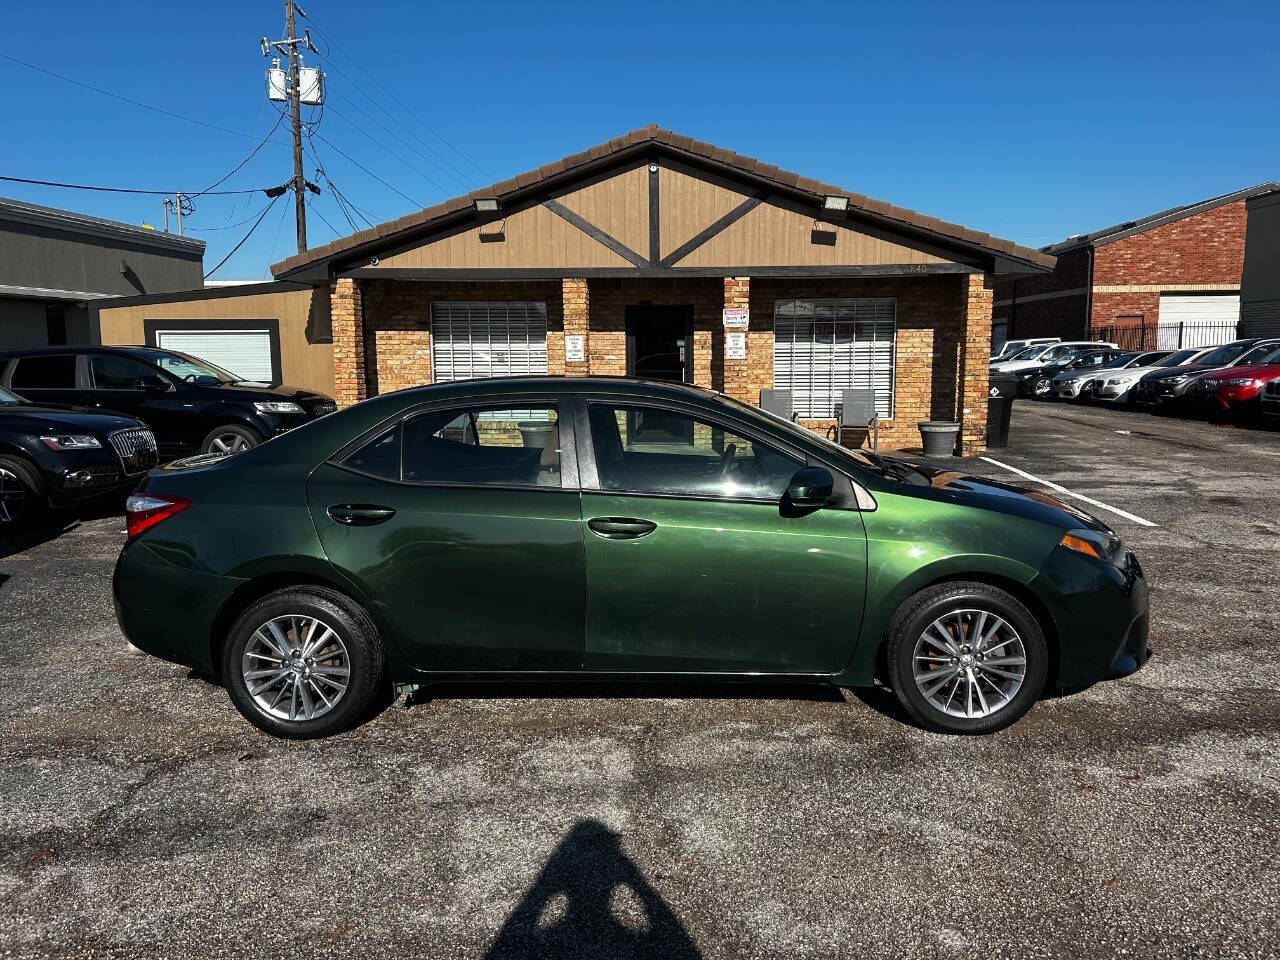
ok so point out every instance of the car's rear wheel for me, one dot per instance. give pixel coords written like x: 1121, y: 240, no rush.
x: 966, y: 657
x: 303, y: 662
x: 22, y: 498
x: 230, y: 438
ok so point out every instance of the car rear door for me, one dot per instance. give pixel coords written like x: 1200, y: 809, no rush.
x: 49, y: 378
x: 461, y: 526
x: 692, y: 564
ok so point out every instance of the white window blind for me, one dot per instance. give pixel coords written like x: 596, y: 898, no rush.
x: 472, y: 339
x: 822, y: 347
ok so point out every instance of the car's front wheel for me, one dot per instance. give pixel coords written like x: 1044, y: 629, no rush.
x: 22, y: 498
x: 966, y: 657
x: 1041, y: 388
x: 303, y: 662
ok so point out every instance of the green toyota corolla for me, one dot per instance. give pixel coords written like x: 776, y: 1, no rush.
x: 557, y: 528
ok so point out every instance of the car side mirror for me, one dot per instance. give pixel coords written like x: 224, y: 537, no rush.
x: 810, y: 488
x: 151, y: 384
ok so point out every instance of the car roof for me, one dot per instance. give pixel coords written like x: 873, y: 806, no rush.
x: 540, y: 383
x: 80, y: 348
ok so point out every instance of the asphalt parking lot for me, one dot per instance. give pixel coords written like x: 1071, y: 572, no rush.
x: 141, y: 816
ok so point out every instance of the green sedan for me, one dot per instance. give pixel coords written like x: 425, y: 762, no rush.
x: 582, y: 528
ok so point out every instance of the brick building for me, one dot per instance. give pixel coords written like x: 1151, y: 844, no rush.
x: 652, y: 255
x: 1170, y: 279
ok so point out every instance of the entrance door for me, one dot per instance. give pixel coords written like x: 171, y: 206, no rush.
x: 660, y: 342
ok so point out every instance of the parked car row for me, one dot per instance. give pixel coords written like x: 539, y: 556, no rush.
x: 1240, y: 379
x: 82, y: 421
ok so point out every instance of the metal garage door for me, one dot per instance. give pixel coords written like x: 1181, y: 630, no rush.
x: 1197, y: 320
x: 246, y: 353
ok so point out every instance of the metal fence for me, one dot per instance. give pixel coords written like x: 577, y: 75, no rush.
x: 1165, y: 336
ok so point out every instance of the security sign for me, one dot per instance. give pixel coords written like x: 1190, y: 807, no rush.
x: 736, y: 318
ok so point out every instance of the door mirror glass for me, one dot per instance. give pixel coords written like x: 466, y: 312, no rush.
x: 810, y: 488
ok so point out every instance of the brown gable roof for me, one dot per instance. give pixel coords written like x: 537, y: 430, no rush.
x: 676, y: 142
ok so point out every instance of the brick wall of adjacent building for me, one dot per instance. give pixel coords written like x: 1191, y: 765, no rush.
x: 943, y: 332
x: 1207, y: 248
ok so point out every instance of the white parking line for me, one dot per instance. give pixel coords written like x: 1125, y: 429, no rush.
x: 1071, y: 493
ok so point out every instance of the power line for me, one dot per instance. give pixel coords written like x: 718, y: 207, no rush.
x: 443, y: 164
x: 129, y: 100
x: 154, y: 193
x: 357, y: 163
x: 312, y: 205
x: 245, y: 237
x: 443, y: 189
x: 229, y: 226
x: 398, y: 101
x: 342, y: 198
x: 240, y: 166
x: 372, y: 119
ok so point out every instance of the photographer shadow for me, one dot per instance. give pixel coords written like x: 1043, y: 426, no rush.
x: 591, y: 900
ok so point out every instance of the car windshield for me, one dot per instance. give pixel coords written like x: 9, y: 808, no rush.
x: 1177, y: 359
x: 190, y: 369
x: 6, y: 397
x: 1121, y: 361
x: 1223, y: 355
x: 893, y: 469
x: 1024, y: 354
x: 1258, y: 354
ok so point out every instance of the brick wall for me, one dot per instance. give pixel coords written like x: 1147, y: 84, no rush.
x: 577, y: 305
x: 397, y: 325
x: 930, y: 345
x: 744, y: 379
x: 1053, y: 317
x: 1207, y: 248
x: 346, y: 311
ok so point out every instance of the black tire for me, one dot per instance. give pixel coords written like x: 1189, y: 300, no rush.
x: 922, y: 610
x: 22, y: 489
x: 359, y: 637
x: 232, y: 436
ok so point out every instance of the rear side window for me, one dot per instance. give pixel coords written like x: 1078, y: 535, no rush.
x: 380, y: 457
x: 486, y: 446
x: 53, y: 372
x: 110, y: 372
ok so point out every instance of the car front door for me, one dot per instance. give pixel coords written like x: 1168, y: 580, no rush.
x: 461, y: 526
x: 124, y: 385
x: 693, y: 564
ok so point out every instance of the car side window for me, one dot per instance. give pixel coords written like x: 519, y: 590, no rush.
x: 642, y: 449
x: 52, y: 372
x: 380, y: 457
x: 483, y: 445
x: 113, y: 372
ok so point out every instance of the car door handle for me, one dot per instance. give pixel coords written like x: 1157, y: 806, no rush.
x: 360, y: 514
x: 621, y: 528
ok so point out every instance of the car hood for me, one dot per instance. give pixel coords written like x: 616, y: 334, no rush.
x: 43, y: 417
x: 1067, y: 376
x: 1015, y: 366
x: 249, y: 390
x: 1264, y: 371
x: 1185, y: 370
x: 1131, y: 372
x: 986, y: 493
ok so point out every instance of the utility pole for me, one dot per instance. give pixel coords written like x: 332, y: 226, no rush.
x: 295, y: 120
x: 287, y: 85
x: 177, y: 205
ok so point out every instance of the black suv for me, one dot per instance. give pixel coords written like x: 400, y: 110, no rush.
x: 58, y: 456
x: 191, y: 405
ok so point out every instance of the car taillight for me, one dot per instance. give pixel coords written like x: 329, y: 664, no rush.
x: 143, y: 511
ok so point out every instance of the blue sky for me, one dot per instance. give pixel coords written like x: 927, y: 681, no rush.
x: 1031, y: 121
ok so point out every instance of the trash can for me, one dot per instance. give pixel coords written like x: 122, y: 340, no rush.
x: 1000, y: 396
x: 938, y: 437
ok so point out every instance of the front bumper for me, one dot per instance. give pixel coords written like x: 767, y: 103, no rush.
x: 1101, y: 615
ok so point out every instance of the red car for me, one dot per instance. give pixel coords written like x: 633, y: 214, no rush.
x: 1237, y: 390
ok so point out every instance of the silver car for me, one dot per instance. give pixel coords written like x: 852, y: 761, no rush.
x: 1073, y: 384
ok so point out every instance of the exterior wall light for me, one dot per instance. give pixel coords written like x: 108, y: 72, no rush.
x: 487, y: 205
x: 835, y: 204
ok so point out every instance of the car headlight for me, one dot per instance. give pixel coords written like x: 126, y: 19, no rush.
x: 277, y: 406
x: 1238, y: 382
x: 1180, y: 379
x: 71, y: 441
x: 1098, y: 544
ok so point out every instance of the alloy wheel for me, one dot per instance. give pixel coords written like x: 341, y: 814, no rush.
x: 969, y: 663
x: 295, y: 667
x: 13, y: 496
x: 228, y: 443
